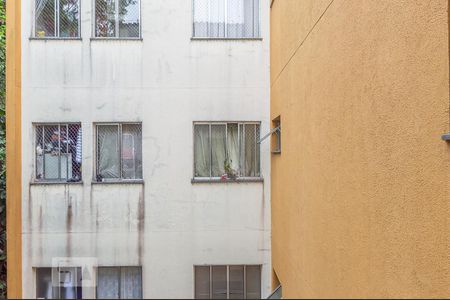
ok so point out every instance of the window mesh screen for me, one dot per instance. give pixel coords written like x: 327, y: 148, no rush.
x: 117, y: 18
x: 119, y: 152
x: 58, y: 152
x: 57, y: 18
x: 226, y: 18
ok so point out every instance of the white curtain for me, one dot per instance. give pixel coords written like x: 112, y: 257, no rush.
x: 131, y: 283
x: 108, y: 283
x: 226, y: 18
x: 108, y: 151
x: 202, y: 151
x: 233, y: 146
x: 218, y: 149
x: 131, y: 151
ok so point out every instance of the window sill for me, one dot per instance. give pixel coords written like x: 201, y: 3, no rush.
x: 225, y: 39
x: 116, y: 39
x: 35, y: 182
x: 54, y: 39
x: 219, y: 180
x: 118, y: 182
x: 276, y: 152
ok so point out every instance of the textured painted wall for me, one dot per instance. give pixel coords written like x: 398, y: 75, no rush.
x: 360, y: 192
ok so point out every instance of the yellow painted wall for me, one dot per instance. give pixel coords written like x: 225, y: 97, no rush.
x: 13, y: 149
x: 361, y: 190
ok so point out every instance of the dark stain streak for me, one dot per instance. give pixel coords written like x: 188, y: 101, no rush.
x: 141, y: 224
x: 69, y: 222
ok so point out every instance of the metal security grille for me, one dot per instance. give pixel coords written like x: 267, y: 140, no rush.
x: 58, y: 152
x: 119, y: 152
x: 57, y: 18
x: 226, y: 19
x: 226, y: 150
x: 117, y: 18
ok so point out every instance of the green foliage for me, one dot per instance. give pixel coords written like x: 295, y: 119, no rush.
x: 2, y: 150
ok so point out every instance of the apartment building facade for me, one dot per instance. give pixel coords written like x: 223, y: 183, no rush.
x: 361, y: 165
x: 142, y: 175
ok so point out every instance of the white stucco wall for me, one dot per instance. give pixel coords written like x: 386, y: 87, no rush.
x: 166, y: 81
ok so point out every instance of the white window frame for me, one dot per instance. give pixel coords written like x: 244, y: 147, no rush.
x: 241, y: 170
x: 119, y: 126
x: 228, y: 278
x: 57, y: 25
x: 256, y: 36
x: 117, y: 31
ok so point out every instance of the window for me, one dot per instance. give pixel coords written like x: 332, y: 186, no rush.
x: 226, y: 19
x: 119, y: 283
x: 58, y: 152
x: 57, y: 18
x: 117, y: 18
x: 276, y: 137
x: 59, y: 283
x: 119, y: 152
x: 227, y: 282
x: 228, y: 150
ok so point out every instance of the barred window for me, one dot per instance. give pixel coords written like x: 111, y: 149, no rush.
x: 58, y: 152
x: 117, y: 18
x: 119, y: 283
x: 226, y: 150
x: 228, y: 282
x: 119, y: 152
x: 226, y: 19
x: 57, y: 18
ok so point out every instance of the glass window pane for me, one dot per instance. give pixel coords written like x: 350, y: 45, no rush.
x: 131, y: 151
x: 45, y: 18
x: 232, y: 150
x: 108, y: 149
x: 70, y: 283
x: 131, y: 283
x: 201, y: 18
x: 253, y: 280
x: 44, y: 288
x: 202, y: 282
x: 236, y: 282
x: 68, y: 18
x: 250, y: 150
x: 105, y: 18
x: 52, y: 150
x: 219, y: 150
x: 202, y: 151
x: 108, y: 283
x: 219, y: 282
x: 129, y: 15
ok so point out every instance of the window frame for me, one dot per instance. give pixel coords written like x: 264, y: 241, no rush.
x: 59, y: 180
x: 53, y: 269
x: 120, y: 277
x: 254, y: 37
x: 117, y: 36
x: 57, y: 36
x: 228, y: 278
x: 120, y: 179
x: 241, y: 170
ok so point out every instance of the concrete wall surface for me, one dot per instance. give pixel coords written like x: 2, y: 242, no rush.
x: 166, y: 81
x: 360, y: 192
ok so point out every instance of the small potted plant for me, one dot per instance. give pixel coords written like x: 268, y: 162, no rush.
x: 230, y: 173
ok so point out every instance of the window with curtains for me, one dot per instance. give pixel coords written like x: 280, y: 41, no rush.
x: 119, y: 283
x: 118, y: 151
x: 58, y: 149
x: 57, y: 18
x: 59, y: 283
x: 229, y: 150
x: 231, y: 19
x: 117, y: 18
x: 228, y: 282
